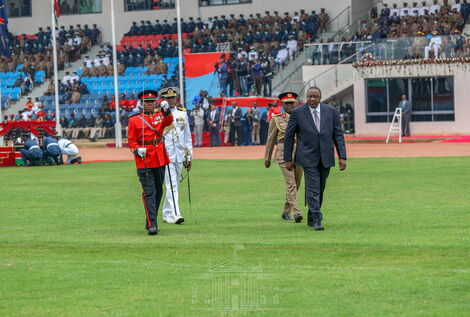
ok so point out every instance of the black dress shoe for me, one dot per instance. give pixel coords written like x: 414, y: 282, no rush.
x: 317, y: 226
x: 153, y: 230
x: 298, y: 217
x: 179, y: 221
x: 286, y: 217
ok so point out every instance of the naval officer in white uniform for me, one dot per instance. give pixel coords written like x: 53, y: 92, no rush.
x: 179, y: 146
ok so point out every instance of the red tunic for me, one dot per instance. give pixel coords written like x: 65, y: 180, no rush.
x: 156, y: 154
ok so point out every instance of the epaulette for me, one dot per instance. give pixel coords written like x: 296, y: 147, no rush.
x: 181, y: 109
x: 135, y: 114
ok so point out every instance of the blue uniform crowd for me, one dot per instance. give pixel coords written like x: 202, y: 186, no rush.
x: 49, y: 153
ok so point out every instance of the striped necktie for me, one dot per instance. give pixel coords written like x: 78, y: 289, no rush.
x: 316, y: 119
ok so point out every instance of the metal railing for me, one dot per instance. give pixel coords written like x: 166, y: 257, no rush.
x: 333, y: 76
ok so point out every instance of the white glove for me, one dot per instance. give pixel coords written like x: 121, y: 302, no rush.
x: 165, y: 105
x: 141, y: 152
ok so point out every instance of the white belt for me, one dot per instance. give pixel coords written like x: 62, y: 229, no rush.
x: 34, y: 147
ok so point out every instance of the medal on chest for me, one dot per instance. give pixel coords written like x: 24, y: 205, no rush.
x: 181, y: 123
x: 157, y: 120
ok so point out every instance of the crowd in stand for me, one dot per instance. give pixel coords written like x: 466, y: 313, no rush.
x: 411, y: 29
x: 263, y: 33
x: 405, y: 21
x: 35, y: 52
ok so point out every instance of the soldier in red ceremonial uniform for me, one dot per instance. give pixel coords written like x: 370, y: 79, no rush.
x: 145, y: 138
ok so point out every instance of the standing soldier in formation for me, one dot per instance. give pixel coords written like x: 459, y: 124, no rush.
x: 145, y: 138
x: 178, y: 144
x: 292, y: 179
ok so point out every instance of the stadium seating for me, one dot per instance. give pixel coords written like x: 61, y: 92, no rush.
x: 144, y: 40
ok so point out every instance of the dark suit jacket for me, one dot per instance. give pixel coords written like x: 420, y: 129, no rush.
x: 406, y: 108
x: 237, y: 116
x: 312, y: 145
x: 216, y: 118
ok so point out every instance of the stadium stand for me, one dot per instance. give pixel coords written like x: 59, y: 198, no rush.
x: 31, y: 61
x: 405, y: 30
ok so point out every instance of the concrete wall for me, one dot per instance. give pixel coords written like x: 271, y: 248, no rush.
x: 461, y: 73
x: 42, y: 13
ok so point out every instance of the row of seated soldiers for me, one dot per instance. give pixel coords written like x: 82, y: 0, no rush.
x: 435, y: 8
x: 36, y: 54
x: 44, y: 37
x: 154, y: 63
x: 146, y: 27
x: 444, y: 24
x: 34, y: 62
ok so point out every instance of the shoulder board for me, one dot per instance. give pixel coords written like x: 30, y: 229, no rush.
x: 181, y: 108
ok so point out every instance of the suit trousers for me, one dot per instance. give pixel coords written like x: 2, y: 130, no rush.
x: 151, y: 180
x: 227, y: 132
x: 171, y: 208
x: 198, y: 128
x: 215, y: 135
x: 255, y: 134
x: 405, y: 125
x: 235, y: 135
x: 315, y: 183
x: 292, y: 180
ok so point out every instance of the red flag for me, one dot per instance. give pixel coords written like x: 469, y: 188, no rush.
x: 56, y: 9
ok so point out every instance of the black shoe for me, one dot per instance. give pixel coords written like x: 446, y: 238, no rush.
x: 179, y: 221
x: 317, y: 226
x: 153, y: 230
x: 310, y: 224
x: 286, y: 217
x: 298, y: 217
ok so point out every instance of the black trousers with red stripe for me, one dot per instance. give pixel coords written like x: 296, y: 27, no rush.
x: 151, y: 180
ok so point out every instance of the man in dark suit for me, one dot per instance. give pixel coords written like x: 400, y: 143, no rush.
x: 213, y: 118
x: 318, y: 129
x: 237, y: 124
x: 405, y: 106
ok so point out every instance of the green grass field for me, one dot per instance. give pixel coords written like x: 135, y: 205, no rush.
x: 72, y: 242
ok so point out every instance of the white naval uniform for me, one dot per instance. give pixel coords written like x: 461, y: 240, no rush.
x: 68, y: 148
x: 179, y: 146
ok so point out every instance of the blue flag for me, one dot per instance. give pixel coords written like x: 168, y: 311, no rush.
x: 4, y: 44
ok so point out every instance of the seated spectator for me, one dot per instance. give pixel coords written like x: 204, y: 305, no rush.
x: 98, y: 130
x: 434, y: 45
x: 50, y: 89
x: 124, y: 119
x: 36, y: 105
x: 78, y: 126
x: 69, y: 126
x: 131, y: 103
x: 41, y: 114
x: 76, y: 96
x: 29, y: 105
x: 108, y: 125
x: 90, y: 123
x: 106, y: 105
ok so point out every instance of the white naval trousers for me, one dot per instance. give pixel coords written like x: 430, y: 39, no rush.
x: 71, y: 151
x: 168, y: 212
